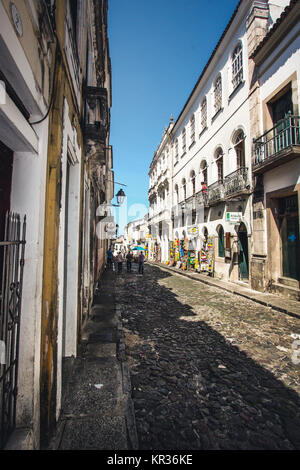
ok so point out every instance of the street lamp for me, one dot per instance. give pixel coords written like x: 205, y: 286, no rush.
x: 120, y: 196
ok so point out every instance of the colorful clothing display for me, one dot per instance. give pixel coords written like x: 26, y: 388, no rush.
x: 207, y: 255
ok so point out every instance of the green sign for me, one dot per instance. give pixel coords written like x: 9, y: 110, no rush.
x: 234, y: 217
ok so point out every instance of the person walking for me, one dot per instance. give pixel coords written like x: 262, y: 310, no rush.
x: 120, y: 261
x: 109, y: 257
x: 129, y: 258
x: 141, y: 262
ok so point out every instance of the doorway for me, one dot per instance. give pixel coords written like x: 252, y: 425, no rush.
x: 6, y: 167
x: 243, y: 260
x: 289, y: 233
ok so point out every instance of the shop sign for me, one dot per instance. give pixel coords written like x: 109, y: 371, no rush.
x: 227, y: 253
x: 193, y: 230
x: 234, y: 217
x: 148, y: 236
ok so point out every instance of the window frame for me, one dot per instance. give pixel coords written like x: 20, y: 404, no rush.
x: 203, y: 111
x: 204, y: 172
x: 237, y: 66
x: 184, y: 188
x: 192, y: 128
x: 218, y: 93
x: 183, y: 137
x: 219, y: 154
x: 176, y: 150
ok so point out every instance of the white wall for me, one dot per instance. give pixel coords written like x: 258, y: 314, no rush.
x: 68, y: 250
x: 29, y: 144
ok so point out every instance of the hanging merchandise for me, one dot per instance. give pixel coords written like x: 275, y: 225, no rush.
x: 186, y: 244
x: 207, y: 256
x: 159, y: 253
x: 176, y: 250
x: 210, y: 255
x: 171, y: 253
x: 181, y: 248
x: 184, y: 254
x: 192, y: 259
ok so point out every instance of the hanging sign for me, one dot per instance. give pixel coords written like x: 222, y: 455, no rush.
x: 234, y: 217
x: 193, y: 230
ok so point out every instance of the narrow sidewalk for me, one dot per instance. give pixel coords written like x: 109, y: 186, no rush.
x: 282, y: 304
x: 97, y: 411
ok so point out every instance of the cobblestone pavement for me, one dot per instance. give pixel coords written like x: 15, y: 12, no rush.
x: 209, y: 370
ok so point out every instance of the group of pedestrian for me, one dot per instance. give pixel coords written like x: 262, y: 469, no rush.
x: 118, y: 259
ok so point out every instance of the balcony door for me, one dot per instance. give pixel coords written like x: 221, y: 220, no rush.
x: 239, y: 146
x: 243, y: 253
x: 282, y: 106
x: 280, y: 111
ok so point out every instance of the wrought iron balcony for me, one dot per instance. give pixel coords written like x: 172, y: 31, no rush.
x: 96, y: 125
x: 202, y: 198
x: 215, y: 192
x: 278, y: 145
x: 190, y: 203
x: 236, y: 183
x: 96, y: 108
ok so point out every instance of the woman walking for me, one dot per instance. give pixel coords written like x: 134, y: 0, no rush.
x: 120, y: 261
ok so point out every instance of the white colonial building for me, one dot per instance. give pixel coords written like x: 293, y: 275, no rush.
x: 135, y: 233
x: 160, y: 198
x: 275, y: 127
x: 204, y: 197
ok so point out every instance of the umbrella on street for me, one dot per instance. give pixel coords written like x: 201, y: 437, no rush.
x: 138, y: 248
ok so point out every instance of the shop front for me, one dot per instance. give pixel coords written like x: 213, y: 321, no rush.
x: 283, y: 241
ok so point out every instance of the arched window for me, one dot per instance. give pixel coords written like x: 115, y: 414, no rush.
x: 204, y: 113
x: 221, y: 248
x: 193, y: 181
x: 218, y: 93
x: 219, y: 162
x: 176, y: 194
x: 239, y: 146
x: 237, y: 65
x: 203, y: 169
x: 184, y: 188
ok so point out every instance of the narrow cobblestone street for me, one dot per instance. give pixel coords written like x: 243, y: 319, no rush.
x: 209, y: 369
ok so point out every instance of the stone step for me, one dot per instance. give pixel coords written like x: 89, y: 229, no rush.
x: 287, y: 281
x: 286, y: 291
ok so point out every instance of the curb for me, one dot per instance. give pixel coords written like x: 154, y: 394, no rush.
x: 132, y: 437
x: 231, y: 290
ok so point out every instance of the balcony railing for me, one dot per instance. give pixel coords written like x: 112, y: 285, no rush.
x: 236, y: 182
x: 190, y: 203
x: 96, y: 122
x: 216, y: 192
x: 202, y: 198
x: 281, y: 137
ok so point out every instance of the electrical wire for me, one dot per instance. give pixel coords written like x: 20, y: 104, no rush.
x: 52, y: 90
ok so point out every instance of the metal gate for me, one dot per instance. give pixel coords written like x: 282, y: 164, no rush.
x: 11, y: 278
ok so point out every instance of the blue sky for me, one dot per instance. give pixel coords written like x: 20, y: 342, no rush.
x: 158, y: 49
